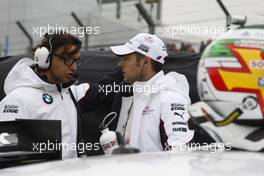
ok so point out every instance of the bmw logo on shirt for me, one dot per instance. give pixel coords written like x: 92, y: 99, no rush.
x: 47, y: 98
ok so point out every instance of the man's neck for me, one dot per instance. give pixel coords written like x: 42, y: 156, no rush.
x: 148, y: 75
x: 47, y: 76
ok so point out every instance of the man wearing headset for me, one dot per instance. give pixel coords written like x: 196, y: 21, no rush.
x: 155, y: 117
x: 44, y: 88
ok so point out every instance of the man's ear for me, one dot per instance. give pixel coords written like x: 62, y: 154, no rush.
x: 147, y: 60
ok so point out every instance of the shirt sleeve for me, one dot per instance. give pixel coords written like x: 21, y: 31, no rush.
x: 101, y: 92
x: 173, y: 125
x: 80, y: 90
x: 14, y: 107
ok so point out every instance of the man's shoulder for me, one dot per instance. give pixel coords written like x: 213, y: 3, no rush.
x: 172, y: 96
x: 18, y: 104
x: 24, y: 91
x: 28, y: 94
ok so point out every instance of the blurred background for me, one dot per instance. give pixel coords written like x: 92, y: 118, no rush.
x: 112, y: 22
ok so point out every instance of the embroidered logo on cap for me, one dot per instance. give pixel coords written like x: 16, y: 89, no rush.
x: 144, y: 48
x: 148, y: 39
x: 159, y: 57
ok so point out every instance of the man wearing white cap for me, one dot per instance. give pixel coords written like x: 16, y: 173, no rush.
x: 155, y: 117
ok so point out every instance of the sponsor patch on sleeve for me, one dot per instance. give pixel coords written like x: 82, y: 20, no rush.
x: 181, y: 129
x: 178, y: 109
x: 10, y: 108
x: 177, y: 106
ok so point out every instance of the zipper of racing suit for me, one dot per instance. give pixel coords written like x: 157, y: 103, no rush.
x: 80, y: 136
x: 59, y: 87
x: 128, y: 116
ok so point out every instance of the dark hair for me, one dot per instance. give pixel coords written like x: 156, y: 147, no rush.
x: 57, y: 40
x: 156, y: 66
x: 139, y: 57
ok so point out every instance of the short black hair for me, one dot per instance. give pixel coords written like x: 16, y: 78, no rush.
x: 57, y: 40
x: 156, y: 66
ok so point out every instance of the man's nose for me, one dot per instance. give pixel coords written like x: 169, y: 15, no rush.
x: 121, y: 63
x: 73, y: 66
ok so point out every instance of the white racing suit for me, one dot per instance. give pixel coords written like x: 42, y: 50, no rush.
x: 29, y: 97
x: 159, y: 113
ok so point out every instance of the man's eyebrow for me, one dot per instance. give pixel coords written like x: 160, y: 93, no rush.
x: 73, y: 51
x: 78, y: 58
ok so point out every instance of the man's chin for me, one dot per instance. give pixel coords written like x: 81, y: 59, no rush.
x: 126, y: 80
x: 67, y: 80
x: 129, y: 81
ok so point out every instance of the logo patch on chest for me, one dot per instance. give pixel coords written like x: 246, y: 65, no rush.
x: 47, y: 98
x: 147, y: 110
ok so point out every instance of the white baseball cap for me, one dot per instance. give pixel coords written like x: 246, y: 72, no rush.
x: 144, y: 43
